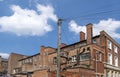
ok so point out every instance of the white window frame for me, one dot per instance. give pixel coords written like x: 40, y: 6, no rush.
x: 100, y: 56
x: 115, y: 49
x: 74, y: 58
x: 116, y: 60
x: 109, y: 44
x: 14, y: 71
x: 110, y: 58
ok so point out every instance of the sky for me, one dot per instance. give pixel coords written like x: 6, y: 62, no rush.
x: 25, y: 25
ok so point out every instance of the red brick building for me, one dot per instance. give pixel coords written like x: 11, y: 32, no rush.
x: 97, y: 56
x: 13, y: 62
x: 3, y: 66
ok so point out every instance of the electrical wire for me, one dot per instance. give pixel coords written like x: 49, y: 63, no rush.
x: 65, y: 35
x: 91, y: 14
x: 87, y: 17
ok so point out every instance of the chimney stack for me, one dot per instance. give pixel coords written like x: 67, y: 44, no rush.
x: 62, y: 45
x: 89, y: 33
x: 0, y: 58
x: 82, y: 36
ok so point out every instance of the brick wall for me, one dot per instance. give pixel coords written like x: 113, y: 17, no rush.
x: 13, y: 61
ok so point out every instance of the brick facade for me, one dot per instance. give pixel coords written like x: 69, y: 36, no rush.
x: 3, y: 66
x: 90, y: 57
x: 13, y: 62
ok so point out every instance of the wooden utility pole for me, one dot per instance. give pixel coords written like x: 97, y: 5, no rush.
x: 58, y: 51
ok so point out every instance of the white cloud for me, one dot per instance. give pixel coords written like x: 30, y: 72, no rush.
x: 4, y: 55
x: 28, y: 22
x: 74, y: 27
x: 110, y: 25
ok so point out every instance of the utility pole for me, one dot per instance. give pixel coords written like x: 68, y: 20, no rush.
x: 59, y: 43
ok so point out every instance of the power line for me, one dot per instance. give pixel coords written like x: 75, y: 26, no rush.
x: 65, y: 35
x: 91, y: 14
x: 103, y: 7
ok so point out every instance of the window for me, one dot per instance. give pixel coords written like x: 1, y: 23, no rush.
x: 116, y: 74
x: 46, y: 53
x: 115, y: 49
x: 36, y: 58
x: 44, y: 66
x: 107, y: 74
x: 85, y: 56
x: 119, y: 74
x: 109, y: 58
x: 102, y: 76
x: 74, y: 58
x: 23, y: 62
x: 62, y: 54
x: 30, y: 60
x: 20, y: 63
x: 116, y: 60
x: 94, y: 41
x: 88, y: 49
x: 14, y: 71
x: 40, y: 66
x: 112, y: 74
x: 26, y: 61
x: 69, y: 62
x: 100, y: 56
x: 109, y: 44
x: 67, y: 54
x: 62, y: 76
x: 35, y: 66
x: 54, y: 60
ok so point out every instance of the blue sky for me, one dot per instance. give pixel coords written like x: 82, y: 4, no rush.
x: 25, y: 25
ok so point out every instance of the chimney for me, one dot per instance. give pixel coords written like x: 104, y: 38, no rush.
x: 82, y: 36
x: 42, y: 48
x: 0, y: 58
x: 89, y: 33
x: 63, y: 45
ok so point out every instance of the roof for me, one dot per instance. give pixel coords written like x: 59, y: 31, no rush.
x: 3, y: 59
x: 110, y: 38
x: 30, y: 56
x: 61, y: 47
x: 18, y: 54
x: 97, y: 36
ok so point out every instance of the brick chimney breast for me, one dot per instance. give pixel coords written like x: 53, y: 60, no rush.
x: 89, y: 33
x: 82, y: 36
